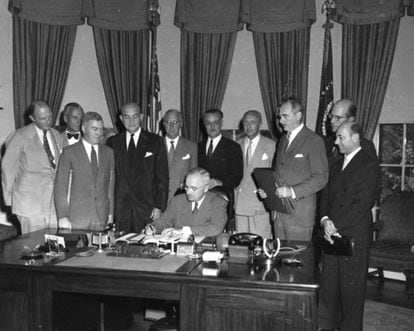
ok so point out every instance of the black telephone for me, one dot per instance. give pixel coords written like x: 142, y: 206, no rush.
x: 246, y: 239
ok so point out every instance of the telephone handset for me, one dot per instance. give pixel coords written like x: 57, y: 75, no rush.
x: 251, y: 240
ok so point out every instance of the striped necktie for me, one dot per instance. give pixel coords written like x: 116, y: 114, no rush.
x: 48, y: 151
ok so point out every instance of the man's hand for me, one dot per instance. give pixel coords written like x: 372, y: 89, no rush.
x: 64, y: 223
x: 329, y: 230
x: 262, y: 194
x: 149, y: 230
x: 155, y: 214
x: 284, y: 192
x: 214, y: 182
x: 172, y: 232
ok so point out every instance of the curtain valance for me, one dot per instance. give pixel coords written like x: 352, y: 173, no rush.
x: 123, y: 15
x: 371, y: 11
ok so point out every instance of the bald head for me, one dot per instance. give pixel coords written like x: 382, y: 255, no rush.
x: 343, y: 110
x: 172, y: 122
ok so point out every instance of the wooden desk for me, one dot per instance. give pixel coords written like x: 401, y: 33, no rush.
x: 241, y: 297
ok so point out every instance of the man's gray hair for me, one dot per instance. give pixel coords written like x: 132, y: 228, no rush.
x: 205, y: 175
x: 91, y: 115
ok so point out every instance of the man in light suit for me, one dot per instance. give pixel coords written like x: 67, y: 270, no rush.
x: 302, y: 164
x: 182, y: 153
x: 141, y: 169
x: 28, y: 170
x: 258, y: 152
x: 86, y: 173
x: 346, y: 209
x: 72, y: 115
x: 198, y: 211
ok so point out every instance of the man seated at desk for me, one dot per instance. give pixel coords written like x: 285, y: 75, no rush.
x: 198, y: 211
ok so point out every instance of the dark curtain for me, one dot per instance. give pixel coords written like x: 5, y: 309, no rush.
x: 282, y: 60
x: 41, y: 59
x: 123, y: 60
x: 367, y: 55
x: 205, y: 68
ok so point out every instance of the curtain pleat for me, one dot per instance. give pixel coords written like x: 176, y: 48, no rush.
x: 41, y: 59
x: 367, y: 56
x: 205, y: 66
x: 123, y: 60
x: 282, y: 60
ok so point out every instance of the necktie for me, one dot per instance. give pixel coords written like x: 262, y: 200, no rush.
x: 72, y: 135
x: 94, y: 162
x: 46, y: 146
x: 287, y: 139
x: 171, y: 152
x: 195, y: 210
x: 131, y: 149
x: 249, y: 152
x: 210, y: 149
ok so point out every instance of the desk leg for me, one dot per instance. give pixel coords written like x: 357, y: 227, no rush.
x: 40, y: 303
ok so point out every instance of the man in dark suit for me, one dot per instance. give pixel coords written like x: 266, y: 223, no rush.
x: 29, y: 169
x: 220, y: 156
x: 346, y: 208
x: 72, y: 116
x: 84, y: 185
x: 302, y: 164
x: 197, y: 212
x: 344, y: 111
x: 182, y: 153
x: 141, y: 169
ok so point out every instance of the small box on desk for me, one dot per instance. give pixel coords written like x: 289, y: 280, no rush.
x: 239, y: 254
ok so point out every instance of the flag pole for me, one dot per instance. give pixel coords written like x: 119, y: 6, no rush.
x: 326, y: 87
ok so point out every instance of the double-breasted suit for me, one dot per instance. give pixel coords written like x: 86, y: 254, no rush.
x: 209, y: 220
x: 85, y: 200
x: 142, y: 186
x: 27, y: 175
x: 247, y: 203
x: 347, y: 201
x: 185, y: 158
x: 303, y: 166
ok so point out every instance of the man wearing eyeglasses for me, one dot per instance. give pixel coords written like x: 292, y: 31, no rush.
x: 344, y: 110
x: 182, y: 153
x: 198, y: 211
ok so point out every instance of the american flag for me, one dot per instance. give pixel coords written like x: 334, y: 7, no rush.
x: 154, y: 96
x: 326, y: 89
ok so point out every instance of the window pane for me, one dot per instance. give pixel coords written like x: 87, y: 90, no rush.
x: 409, y: 179
x: 391, y: 180
x: 409, y: 152
x: 391, y: 141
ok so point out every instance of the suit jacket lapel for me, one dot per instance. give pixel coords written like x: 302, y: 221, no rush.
x: 179, y: 151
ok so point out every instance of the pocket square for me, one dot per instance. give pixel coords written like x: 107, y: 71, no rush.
x: 298, y: 156
x: 186, y: 157
x: 265, y: 157
x: 148, y: 154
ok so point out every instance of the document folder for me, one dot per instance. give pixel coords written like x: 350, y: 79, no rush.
x: 269, y: 181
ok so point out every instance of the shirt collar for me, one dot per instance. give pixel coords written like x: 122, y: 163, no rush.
x: 295, y: 132
x: 351, y: 155
x: 88, y: 146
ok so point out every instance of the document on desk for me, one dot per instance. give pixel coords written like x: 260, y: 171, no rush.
x: 168, y: 264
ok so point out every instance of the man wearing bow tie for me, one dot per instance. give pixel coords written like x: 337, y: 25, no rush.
x: 141, y: 169
x: 29, y: 168
x: 72, y: 115
x: 182, y: 153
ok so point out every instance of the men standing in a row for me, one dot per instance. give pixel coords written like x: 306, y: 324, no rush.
x: 72, y: 115
x: 346, y: 209
x: 141, y: 169
x: 302, y: 164
x: 182, y: 153
x: 344, y: 111
x: 258, y: 152
x: 29, y: 167
x: 86, y: 173
x: 220, y: 156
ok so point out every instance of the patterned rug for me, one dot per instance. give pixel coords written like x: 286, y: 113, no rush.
x: 383, y: 317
